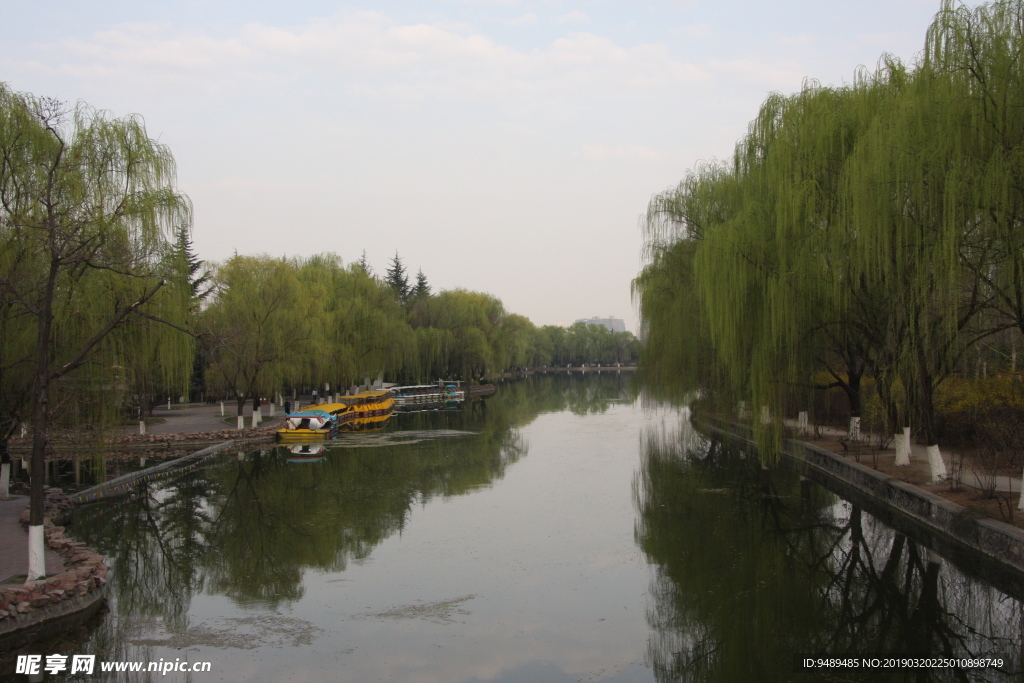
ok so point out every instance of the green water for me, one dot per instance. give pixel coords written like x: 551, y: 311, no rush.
x: 554, y: 532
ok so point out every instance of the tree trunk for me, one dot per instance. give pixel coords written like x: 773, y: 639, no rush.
x: 40, y: 428
x: 853, y: 392
x: 5, y: 462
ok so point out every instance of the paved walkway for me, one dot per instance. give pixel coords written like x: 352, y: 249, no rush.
x: 14, y: 542
x: 919, y: 453
x: 199, y: 417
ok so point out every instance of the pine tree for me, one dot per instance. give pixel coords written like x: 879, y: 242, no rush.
x: 198, y: 276
x: 398, y: 280
x: 422, y: 289
x: 365, y: 264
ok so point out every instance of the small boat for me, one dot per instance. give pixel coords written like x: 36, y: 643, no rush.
x: 368, y: 409
x: 442, y: 392
x: 309, y: 452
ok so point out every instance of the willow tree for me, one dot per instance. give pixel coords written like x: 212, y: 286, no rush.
x: 472, y: 323
x: 257, y: 326
x: 88, y: 210
x: 361, y: 321
x: 871, y: 228
x: 677, y: 355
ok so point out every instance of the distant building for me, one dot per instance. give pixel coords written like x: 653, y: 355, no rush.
x: 613, y: 324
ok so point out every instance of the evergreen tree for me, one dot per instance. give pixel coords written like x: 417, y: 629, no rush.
x: 365, y: 265
x: 198, y: 276
x: 422, y: 289
x: 398, y: 279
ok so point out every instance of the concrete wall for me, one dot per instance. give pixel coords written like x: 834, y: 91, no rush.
x: 979, y: 545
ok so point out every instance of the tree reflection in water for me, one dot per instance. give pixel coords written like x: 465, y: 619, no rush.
x: 248, y: 528
x: 753, y: 566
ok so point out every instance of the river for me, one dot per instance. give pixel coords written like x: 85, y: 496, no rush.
x: 557, y: 531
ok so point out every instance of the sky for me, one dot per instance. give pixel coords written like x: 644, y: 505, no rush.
x: 505, y: 146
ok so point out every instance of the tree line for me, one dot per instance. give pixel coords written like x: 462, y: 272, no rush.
x: 273, y: 322
x: 104, y: 309
x: 872, y: 232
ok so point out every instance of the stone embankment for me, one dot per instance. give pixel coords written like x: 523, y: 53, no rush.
x: 35, y: 609
x: 172, y: 440
x: 983, y: 546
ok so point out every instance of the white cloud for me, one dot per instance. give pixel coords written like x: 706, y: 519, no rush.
x: 525, y: 20
x: 695, y: 30
x: 802, y: 39
x: 360, y: 52
x: 773, y: 75
x: 573, y: 17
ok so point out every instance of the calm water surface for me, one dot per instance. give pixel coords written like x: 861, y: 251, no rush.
x: 554, y: 532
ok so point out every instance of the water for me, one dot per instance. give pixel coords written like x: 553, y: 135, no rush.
x: 554, y: 532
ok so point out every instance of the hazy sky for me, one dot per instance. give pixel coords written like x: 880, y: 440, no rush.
x: 499, y: 145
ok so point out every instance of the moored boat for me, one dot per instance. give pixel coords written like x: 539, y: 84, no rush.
x: 442, y: 392
x: 367, y: 409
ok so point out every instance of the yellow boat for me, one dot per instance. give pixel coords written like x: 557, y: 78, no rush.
x: 365, y: 410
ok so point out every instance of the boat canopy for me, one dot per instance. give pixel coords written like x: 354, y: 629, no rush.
x: 322, y: 414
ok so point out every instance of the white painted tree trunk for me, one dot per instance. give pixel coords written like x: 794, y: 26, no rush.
x: 766, y: 417
x: 936, y: 463
x: 270, y: 410
x: 741, y: 410
x: 1020, y: 504
x: 36, y: 553
x: 222, y: 408
x: 902, y: 452
x: 241, y: 422
x: 142, y: 426
x: 802, y: 422
x: 5, y: 480
x: 255, y: 419
x: 853, y: 434
x: 168, y: 403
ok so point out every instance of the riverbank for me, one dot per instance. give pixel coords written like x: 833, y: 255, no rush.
x: 182, y: 426
x: 989, y: 492
x: 74, y: 586
x: 978, y: 543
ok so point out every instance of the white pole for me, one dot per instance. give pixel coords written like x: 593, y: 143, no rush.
x: 36, y: 553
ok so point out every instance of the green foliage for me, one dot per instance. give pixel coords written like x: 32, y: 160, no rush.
x: 398, y: 280
x: 88, y: 216
x: 872, y: 229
